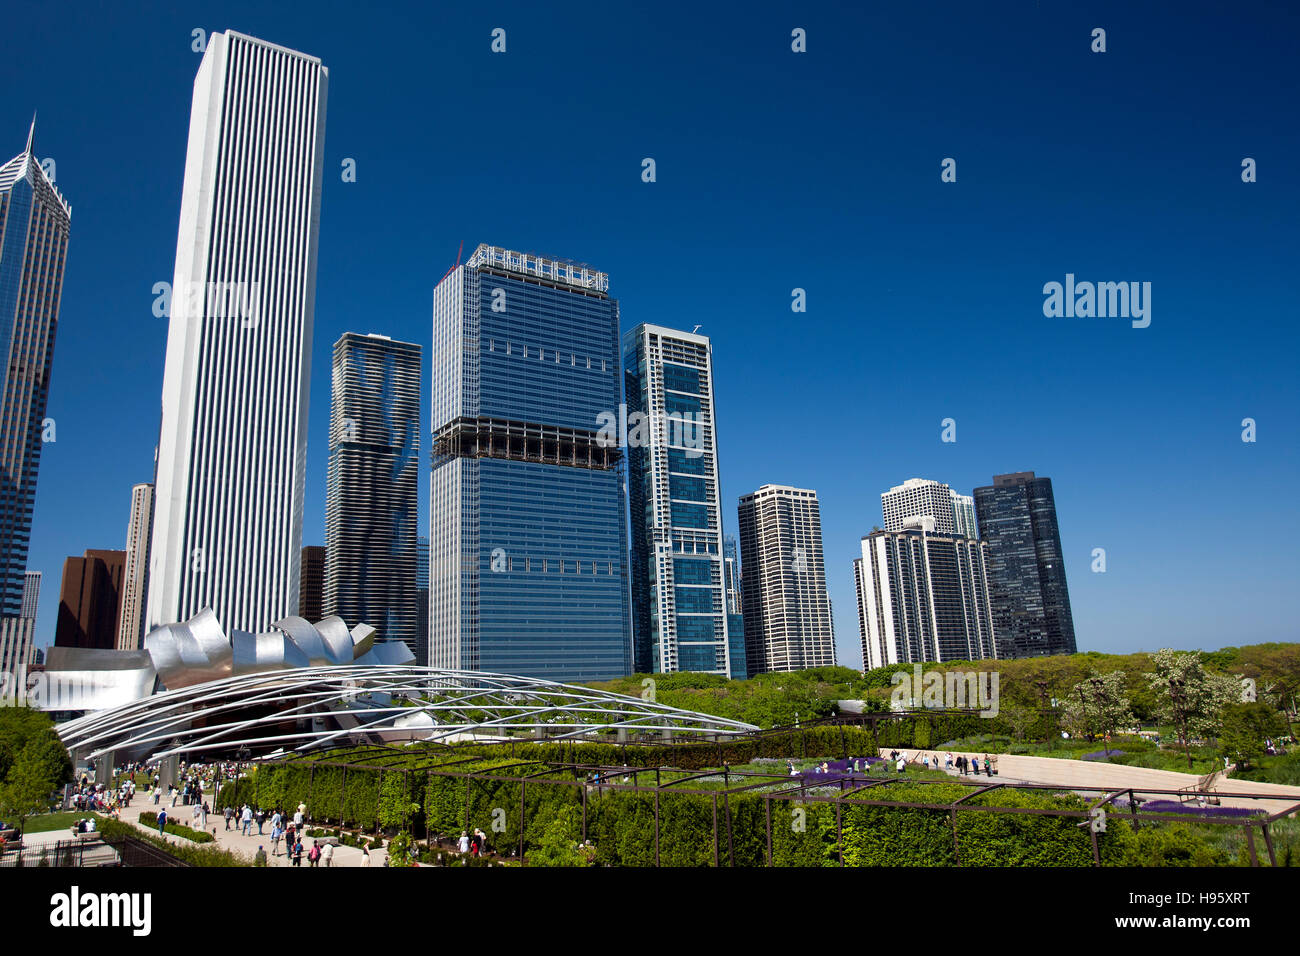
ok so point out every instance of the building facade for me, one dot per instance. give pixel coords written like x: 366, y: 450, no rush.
x: 90, y: 600
x: 963, y: 507
x: 372, y: 487
x: 919, y: 498
x: 1031, y: 601
x: 923, y: 597
x: 528, y: 543
x: 130, y: 632
x: 679, y: 600
x: 311, y: 590
x: 787, y: 611
x: 735, y: 608
x: 233, y: 441
x: 31, y: 594
x: 34, y: 226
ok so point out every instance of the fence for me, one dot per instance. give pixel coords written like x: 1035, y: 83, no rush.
x: 98, y: 851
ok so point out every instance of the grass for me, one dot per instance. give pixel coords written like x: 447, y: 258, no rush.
x: 1137, y: 751
x: 62, y: 820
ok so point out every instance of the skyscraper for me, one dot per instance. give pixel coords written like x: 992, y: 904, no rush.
x: 311, y: 588
x: 31, y: 593
x: 679, y: 604
x: 1031, y: 602
x: 130, y: 632
x: 527, y: 525
x: 90, y: 600
x: 422, y: 598
x: 735, y: 608
x: 919, y: 498
x: 232, y: 452
x: 372, y: 487
x: 34, y: 225
x: 963, y: 507
x: 787, y: 610
x: 923, y: 597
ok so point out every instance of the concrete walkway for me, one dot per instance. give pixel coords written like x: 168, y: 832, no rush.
x: 234, y: 840
x: 1069, y: 774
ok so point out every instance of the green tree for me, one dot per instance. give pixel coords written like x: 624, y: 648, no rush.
x: 40, y: 767
x: 1190, y: 697
x: 1098, y: 706
x: 1245, y: 728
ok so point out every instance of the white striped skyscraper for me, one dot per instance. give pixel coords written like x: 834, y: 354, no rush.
x: 232, y: 455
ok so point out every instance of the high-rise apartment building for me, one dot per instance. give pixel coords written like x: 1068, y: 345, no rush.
x: 372, y: 487
x: 311, y: 589
x: 527, y: 526
x: 232, y: 452
x: 130, y: 631
x: 31, y: 593
x: 422, y: 598
x: 90, y: 600
x: 1031, y: 602
x: 735, y: 608
x: 963, y: 507
x: 679, y: 601
x: 918, y: 498
x: 34, y: 226
x: 787, y: 610
x: 923, y: 597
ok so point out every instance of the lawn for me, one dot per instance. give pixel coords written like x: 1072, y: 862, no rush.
x: 62, y: 820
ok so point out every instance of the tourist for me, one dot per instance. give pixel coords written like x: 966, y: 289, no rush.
x: 162, y: 820
x: 297, y: 817
x: 988, y: 767
x: 246, y: 820
x: 947, y: 763
x: 261, y: 819
x: 203, y: 815
x: 327, y: 854
x: 275, y: 839
x: 297, y: 853
x: 230, y: 813
x: 365, y: 854
x: 901, y: 766
x: 259, y: 858
x: 313, y: 855
x: 463, y: 842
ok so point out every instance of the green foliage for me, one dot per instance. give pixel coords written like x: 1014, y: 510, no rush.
x: 1190, y: 697
x: 33, y: 762
x: 1098, y: 706
x: 193, y: 855
x: 150, y: 819
x: 1175, y: 844
x: 1245, y: 728
x: 558, y: 845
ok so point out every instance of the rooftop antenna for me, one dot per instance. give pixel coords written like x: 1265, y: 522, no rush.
x: 696, y: 329
x: 452, y: 269
x: 31, y: 133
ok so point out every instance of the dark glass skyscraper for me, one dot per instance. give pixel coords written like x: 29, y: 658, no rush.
x: 372, y: 490
x: 527, y: 524
x: 1026, y: 567
x: 34, y: 225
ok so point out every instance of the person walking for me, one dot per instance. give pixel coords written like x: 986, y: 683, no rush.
x: 261, y: 819
x: 162, y: 821
x: 246, y: 820
x: 463, y: 844
x: 259, y: 858
x: 297, y: 852
x: 327, y: 854
x: 365, y: 855
x: 313, y: 855
x: 275, y: 839
x: 230, y: 813
x: 204, y: 816
x: 988, y: 766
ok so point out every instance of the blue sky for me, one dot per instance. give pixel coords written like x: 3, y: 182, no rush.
x: 775, y: 170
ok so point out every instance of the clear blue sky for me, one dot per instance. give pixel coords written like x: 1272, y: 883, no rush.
x: 775, y: 171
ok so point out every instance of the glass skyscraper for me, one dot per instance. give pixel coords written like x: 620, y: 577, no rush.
x: 34, y: 225
x: 372, y: 487
x: 527, y: 524
x: 1026, y: 566
x: 679, y: 592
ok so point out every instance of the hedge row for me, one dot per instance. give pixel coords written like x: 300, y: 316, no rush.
x: 193, y: 855
x: 621, y: 824
x: 150, y: 819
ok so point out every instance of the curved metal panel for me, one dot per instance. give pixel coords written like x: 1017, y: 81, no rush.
x: 337, y: 639
x: 308, y: 640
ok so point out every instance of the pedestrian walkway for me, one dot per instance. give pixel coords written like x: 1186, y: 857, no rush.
x: 1067, y: 774
x: 234, y: 839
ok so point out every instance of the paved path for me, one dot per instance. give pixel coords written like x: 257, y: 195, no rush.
x: 234, y: 840
x: 1113, y: 776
